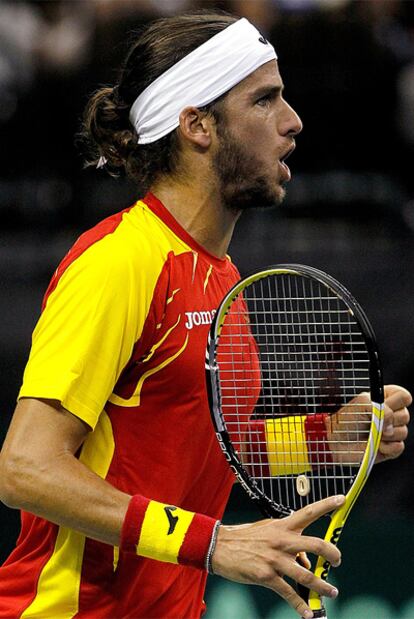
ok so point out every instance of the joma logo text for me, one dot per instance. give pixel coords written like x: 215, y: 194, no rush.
x: 195, y: 319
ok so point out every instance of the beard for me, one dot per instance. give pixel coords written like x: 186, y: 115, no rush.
x: 240, y: 184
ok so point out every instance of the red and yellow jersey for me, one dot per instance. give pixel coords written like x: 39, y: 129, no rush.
x: 121, y: 344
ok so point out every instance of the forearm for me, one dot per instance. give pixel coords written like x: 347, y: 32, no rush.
x: 40, y: 473
x: 70, y: 495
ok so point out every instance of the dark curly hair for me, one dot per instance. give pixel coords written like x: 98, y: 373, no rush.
x: 107, y: 131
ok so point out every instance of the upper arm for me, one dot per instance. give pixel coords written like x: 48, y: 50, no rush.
x: 85, y: 334
x: 41, y: 431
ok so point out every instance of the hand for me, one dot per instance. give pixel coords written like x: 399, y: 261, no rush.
x: 396, y: 418
x: 348, y: 430
x: 352, y: 423
x: 264, y: 552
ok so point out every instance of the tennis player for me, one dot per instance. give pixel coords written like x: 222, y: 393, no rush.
x: 111, y: 454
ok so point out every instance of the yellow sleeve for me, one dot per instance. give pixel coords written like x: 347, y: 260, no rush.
x: 87, y: 331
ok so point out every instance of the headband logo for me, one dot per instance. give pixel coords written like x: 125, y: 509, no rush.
x: 263, y: 40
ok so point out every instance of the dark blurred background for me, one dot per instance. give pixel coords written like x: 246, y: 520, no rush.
x: 348, y: 68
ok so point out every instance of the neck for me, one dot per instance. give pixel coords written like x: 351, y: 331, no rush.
x: 197, y: 206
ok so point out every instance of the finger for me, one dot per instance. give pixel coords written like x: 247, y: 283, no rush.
x: 305, y: 516
x: 399, y: 433
x: 294, y: 600
x: 319, y: 547
x: 307, y: 579
x: 397, y: 397
x: 301, y: 544
x: 302, y: 559
x: 388, y: 451
x: 400, y: 417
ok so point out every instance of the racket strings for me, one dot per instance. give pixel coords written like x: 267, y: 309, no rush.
x: 292, y: 365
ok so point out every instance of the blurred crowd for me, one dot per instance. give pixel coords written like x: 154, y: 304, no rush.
x: 348, y: 66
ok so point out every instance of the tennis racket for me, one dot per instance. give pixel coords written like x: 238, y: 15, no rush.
x: 295, y: 392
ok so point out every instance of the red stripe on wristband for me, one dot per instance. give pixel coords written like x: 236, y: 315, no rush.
x: 131, y: 528
x: 319, y: 453
x: 196, y: 542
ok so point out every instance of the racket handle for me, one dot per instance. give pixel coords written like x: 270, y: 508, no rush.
x: 304, y: 594
x: 301, y: 589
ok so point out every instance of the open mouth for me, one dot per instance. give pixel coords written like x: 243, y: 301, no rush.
x: 286, y: 176
x: 287, y: 154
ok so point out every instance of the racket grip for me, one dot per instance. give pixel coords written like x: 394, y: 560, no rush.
x: 301, y: 589
x: 304, y: 594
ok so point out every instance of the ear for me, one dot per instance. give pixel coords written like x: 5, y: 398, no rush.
x: 196, y: 127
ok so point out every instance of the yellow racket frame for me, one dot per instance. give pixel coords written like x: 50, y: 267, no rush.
x: 339, y: 516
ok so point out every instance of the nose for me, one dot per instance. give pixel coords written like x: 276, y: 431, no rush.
x: 290, y: 123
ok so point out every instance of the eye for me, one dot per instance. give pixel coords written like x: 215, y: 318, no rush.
x: 265, y: 100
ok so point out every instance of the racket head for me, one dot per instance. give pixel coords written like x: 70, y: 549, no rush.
x: 288, y: 348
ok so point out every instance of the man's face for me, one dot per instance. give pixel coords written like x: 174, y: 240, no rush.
x: 254, y: 137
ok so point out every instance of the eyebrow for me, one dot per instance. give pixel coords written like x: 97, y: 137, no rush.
x: 268, y: 90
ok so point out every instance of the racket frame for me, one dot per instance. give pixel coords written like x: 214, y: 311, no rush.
x: 268, y: 507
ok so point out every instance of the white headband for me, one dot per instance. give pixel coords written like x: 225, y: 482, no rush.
x: 199, y: 78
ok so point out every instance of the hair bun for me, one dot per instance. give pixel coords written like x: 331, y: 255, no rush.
x: 107, y: 130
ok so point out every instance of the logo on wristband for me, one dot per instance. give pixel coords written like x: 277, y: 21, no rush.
x: 172, y: 520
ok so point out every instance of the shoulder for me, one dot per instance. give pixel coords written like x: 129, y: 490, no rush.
x: 135, y: 234
x: 126, y: 250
